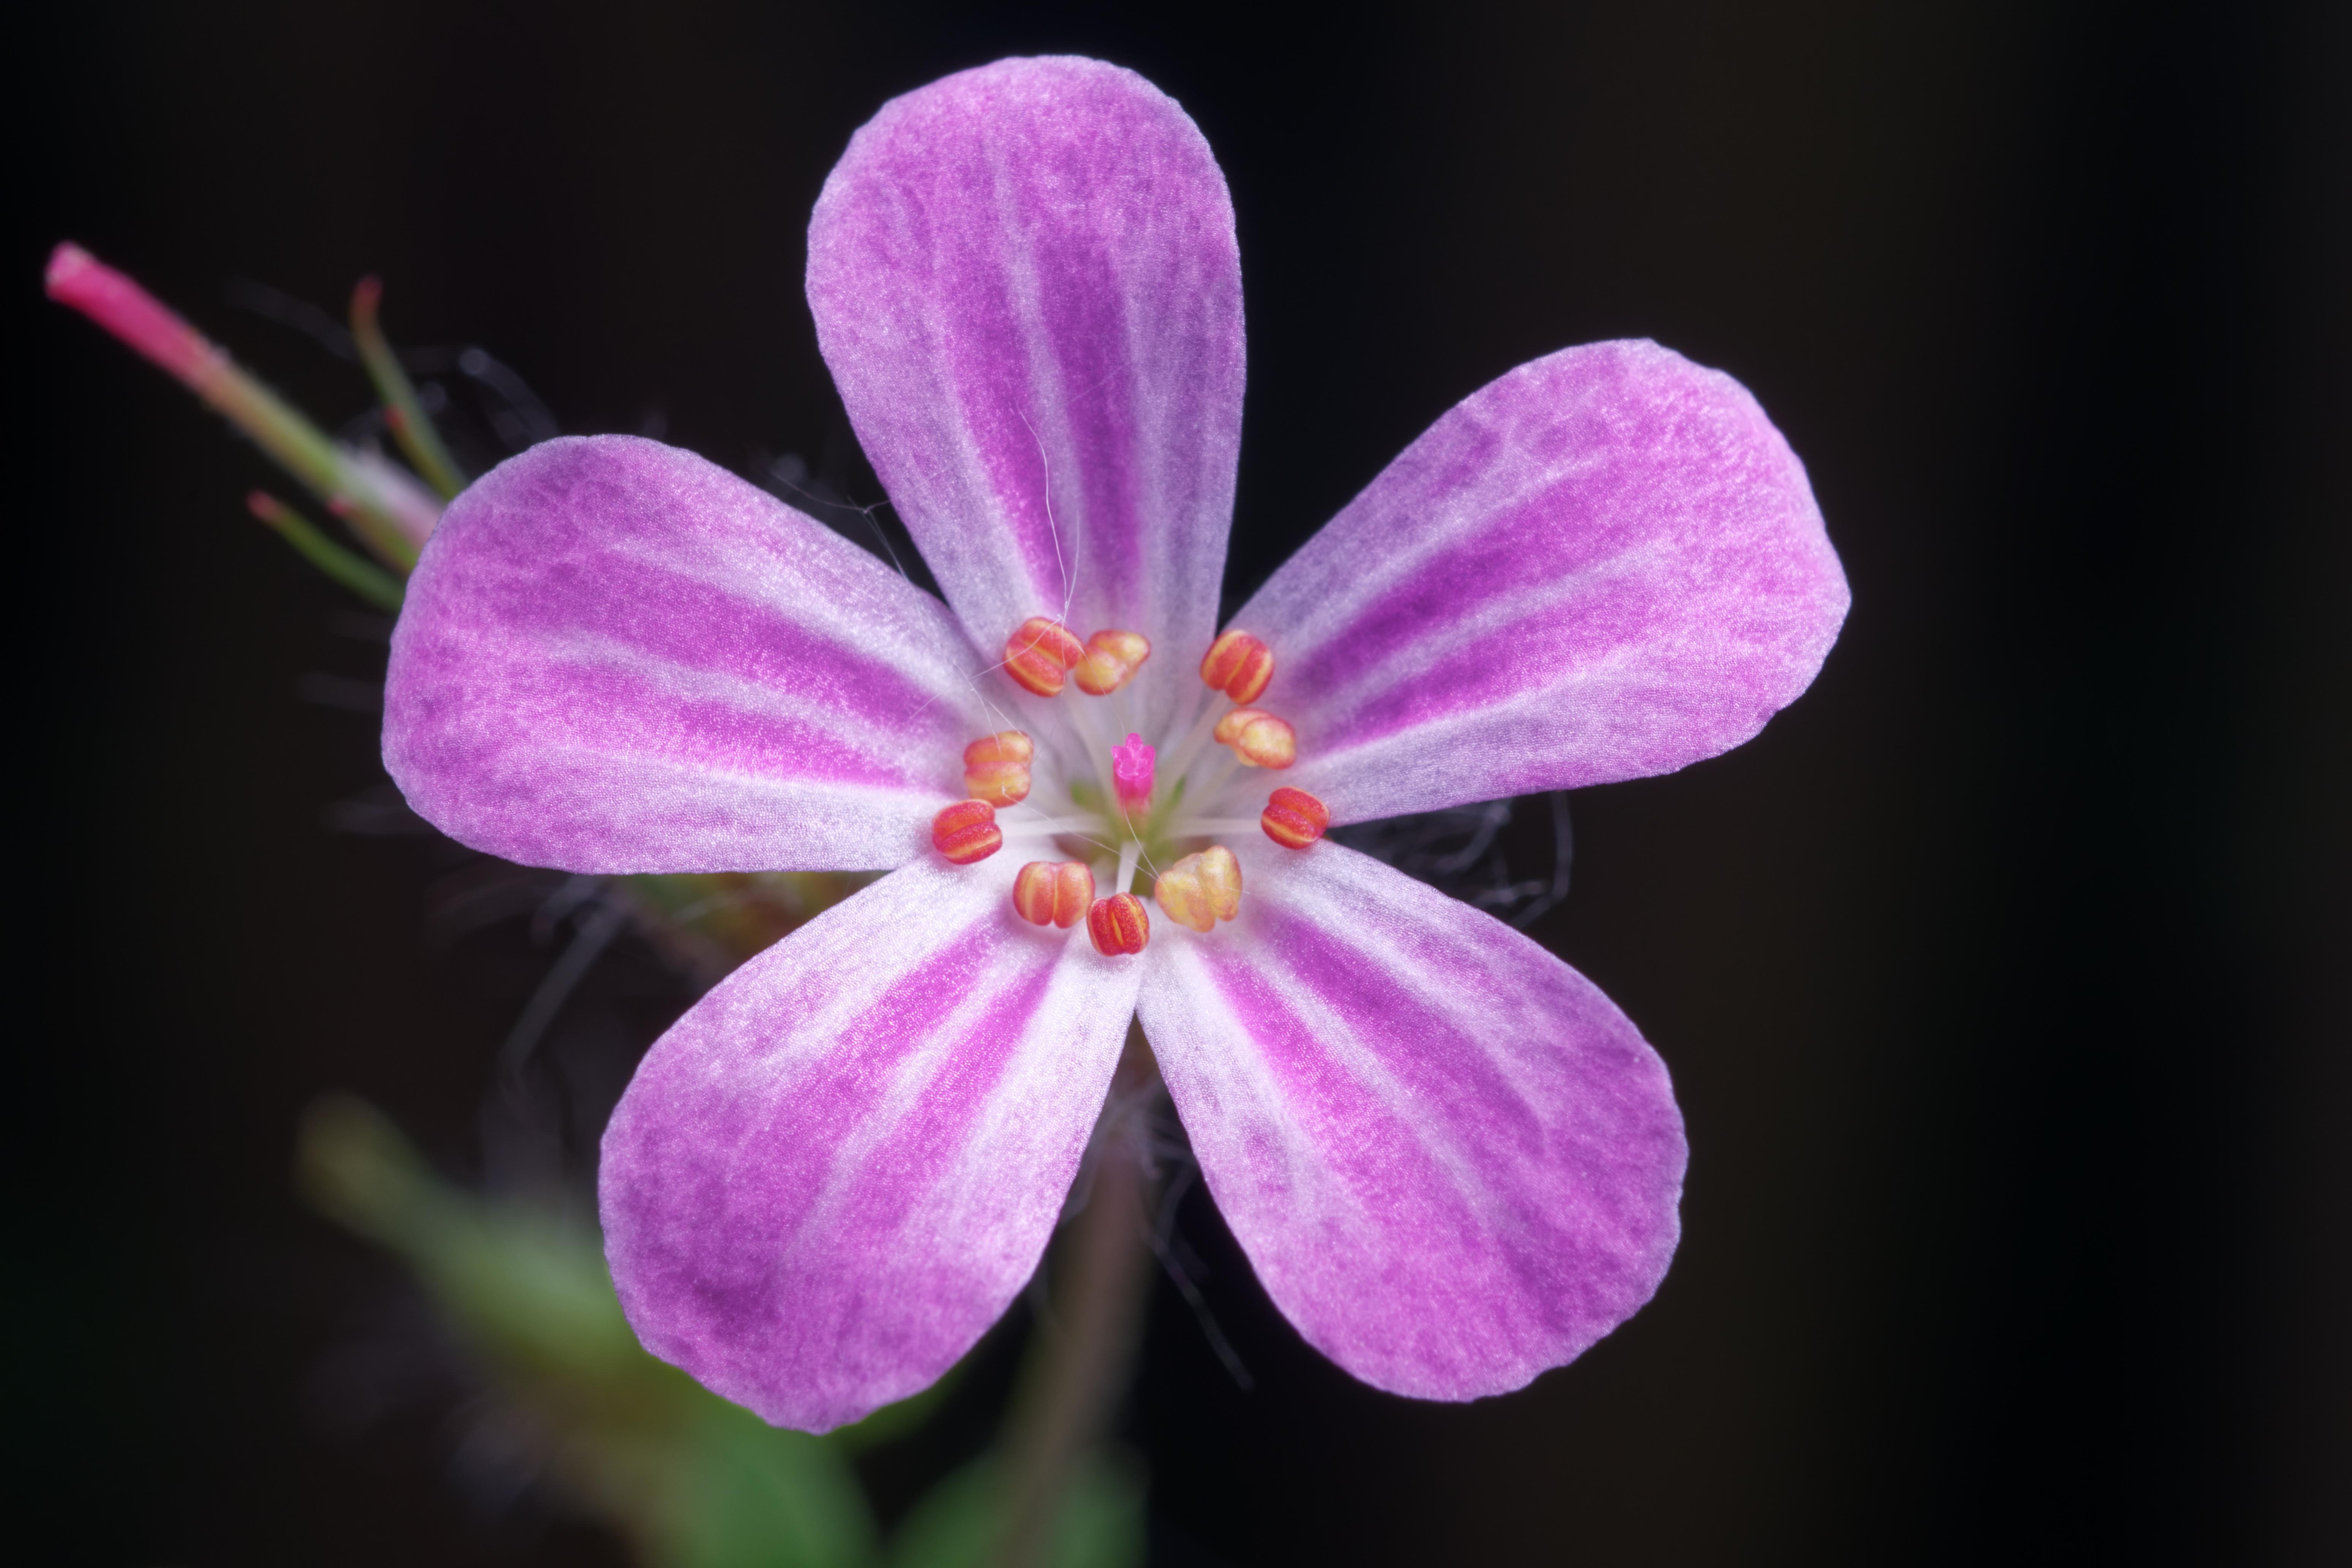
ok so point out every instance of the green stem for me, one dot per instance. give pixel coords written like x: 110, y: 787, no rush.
x: 1083, y: 1359
x: 361, y: 576
x: 411, y: 426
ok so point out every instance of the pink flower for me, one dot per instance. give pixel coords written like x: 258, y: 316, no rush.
x: 1452, y: 1161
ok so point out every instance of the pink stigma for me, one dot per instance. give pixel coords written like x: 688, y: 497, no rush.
x: 77, y: 278
x: 1130, y: 770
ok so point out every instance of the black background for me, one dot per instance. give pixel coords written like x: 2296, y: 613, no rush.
x: 2003, y: 979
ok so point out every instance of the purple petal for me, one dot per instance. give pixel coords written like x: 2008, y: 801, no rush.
x: 1605, y: 564
x: 1452, y: 1162
x: 1025, y: 280
x: 835, y: 1172
x: 616, y: 657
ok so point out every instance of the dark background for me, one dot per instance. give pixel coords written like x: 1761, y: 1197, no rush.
x: 2003, y: 979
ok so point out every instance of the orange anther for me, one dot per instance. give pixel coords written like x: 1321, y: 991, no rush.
x: 1294, y: 819
x: 966, y: 832
x: 1005, y: 746
x: 1048, y: 894
x: 996, y: 767
x: 1239, y: 666
x: 1110, y: 662
x: 1119, y: 925
x: 1259, y: 738
x: 1201, y: 889
x: 1039, y: 652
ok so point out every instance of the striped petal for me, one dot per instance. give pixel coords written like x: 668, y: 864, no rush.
x: 1605, y: 564
x: 835, y: 1172
x: 616, y: 657
x: 1025, y: 279
x: 1452, y: 1160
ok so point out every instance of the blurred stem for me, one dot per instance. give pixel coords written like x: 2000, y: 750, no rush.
x: 377, y: 502
x: 361, y: 576
x: 411, y: 426
x: 1083, y: 1357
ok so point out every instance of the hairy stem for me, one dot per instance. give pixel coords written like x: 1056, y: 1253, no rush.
x: 1083, y: 1357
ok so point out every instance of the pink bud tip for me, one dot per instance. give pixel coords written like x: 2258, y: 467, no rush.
x: 77, y: 278
x: 1130, y: 770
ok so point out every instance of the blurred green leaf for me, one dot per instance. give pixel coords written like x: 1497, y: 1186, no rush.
x: 958, y: 1523
x: 692, y: 1480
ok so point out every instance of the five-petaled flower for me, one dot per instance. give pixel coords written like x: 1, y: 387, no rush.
x: 1452, y: 1160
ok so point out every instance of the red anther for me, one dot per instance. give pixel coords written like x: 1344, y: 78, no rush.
x: 1039, y: 653
x: 1239, y: 666
x: 1201, y: 889
x: 1110, y: 662
x: 1050, y: 894
x: 1259, y: 738
x: 1119, y: 925
x: 966, y: 832
x: 996, y: 767
x: 1294, y: 819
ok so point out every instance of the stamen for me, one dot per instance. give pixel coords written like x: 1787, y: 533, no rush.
x: 1054, y: 894
x: 1259, y: 738
x: 1038, y: 653
x: 996, y: 767
x: 1110, y: 662
x: 1130, y: 770
x: 1239, y: 666
x: 966, y: 832
x: 1295, y: 819
x: 1201, y: 889
x: 1119, y: 925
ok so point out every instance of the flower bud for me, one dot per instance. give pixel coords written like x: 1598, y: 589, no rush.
x: 1047, y: 894
x: 1239, y: 666
x: 1201, y: 889
x: 1259, y: 738
x: 966, y: 832
x: 996, y: 767
x: 1294, y: 819
x: 1110, y: 662
x: 1119, y: 925
x: 1039, y: 653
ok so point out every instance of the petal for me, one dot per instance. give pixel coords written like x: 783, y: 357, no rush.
x: 1452, y: 1161
x: 835, y: 1172
x: 1025, y: 279
x: 616, y: 657
x: 1605, y: 564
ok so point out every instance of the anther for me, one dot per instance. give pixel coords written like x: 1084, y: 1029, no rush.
x: 996, y: 767
x: 1294, y: 819
x: 1039, y: 653
x: 966, y: 832
x: 1119, y: 925
x: 1130, y: 771
x: 1201, y: 889
x: 1239, y: 666
x: 1259, y: 738
x: 1110, y: 662
x: 1050, y: 894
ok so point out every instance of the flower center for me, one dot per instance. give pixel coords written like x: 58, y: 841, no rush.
x: 1138, y: 818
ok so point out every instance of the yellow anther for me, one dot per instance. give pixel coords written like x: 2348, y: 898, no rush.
x: 1039, y: 653
x: 1110, y: 662
x: 1047, y: 894
x: 1239, y: 666
x: 996, y: 767
x: 1201, y: 889
x: 1259, y: 738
